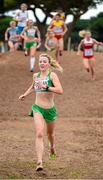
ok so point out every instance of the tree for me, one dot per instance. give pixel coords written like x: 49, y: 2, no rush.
x: 73, y: 7
x: 97, y: 27
x: 80, y: 25
x: 1, y: 6
x: 4, y: 24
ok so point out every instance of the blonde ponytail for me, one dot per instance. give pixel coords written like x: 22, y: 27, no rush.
x: 83, y: 33
x: 53, y: 63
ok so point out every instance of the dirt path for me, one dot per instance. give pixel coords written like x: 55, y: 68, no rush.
x: 79, y: 129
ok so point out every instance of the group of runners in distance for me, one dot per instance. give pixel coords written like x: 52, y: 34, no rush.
x: 46, y: 82
x: 28, y: 34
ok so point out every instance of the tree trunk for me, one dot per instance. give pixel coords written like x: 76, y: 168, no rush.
x: 70, y: 27
x: 66, y: 40
x: 42, y: 28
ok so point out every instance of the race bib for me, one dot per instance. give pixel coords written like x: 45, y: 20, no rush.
x: 40, y: 81
x: 58, y: 29
x: 13, y: 32
x: 31, y: 32
x: 88, y: 52
x: 23, y: 18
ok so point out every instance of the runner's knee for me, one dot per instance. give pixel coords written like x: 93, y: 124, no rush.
x: 39, y: 134
x: 87, y: 69
x: 50, y: 134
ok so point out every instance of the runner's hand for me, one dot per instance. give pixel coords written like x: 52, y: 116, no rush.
x: 78, y: 53
x: 37, y: 40
x: 101, y: 43
x: 21, y: 97
x: 41, y: 85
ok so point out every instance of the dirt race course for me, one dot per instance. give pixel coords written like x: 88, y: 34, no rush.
x: 79, y: 128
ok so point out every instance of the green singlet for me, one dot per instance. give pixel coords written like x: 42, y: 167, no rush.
x: 46, y: 81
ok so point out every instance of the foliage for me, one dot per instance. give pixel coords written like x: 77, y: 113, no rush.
x: 8, y: 4
x: 97, y: 27
x: 4, y: 24
x: 74, y: 7
x: 80, y: 25
x: 1, y: 6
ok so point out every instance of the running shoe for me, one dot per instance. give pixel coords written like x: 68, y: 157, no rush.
x: 39, y: 166
x: 52, y: 154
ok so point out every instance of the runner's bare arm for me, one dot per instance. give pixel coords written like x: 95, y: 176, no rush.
x: 96, y: 42
x: 16, y: 17
x: 23, y: 33
x: 46, y: 44
x: 57, y: 85
x: 38, y: 39
x: 50, y: 27
x: 79, y: 47
x: 29, y: 90
x: 6, y: 34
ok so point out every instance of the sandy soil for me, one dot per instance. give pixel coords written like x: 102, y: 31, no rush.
x: 79, y: 128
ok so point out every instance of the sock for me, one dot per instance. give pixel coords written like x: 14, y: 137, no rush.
x: 32, y: 63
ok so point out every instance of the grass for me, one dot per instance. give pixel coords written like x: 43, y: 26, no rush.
x: 16, y: 169
x: 76, y: 174
x: 26, y: 170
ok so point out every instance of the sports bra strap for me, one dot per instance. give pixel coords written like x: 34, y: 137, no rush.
x: 39, y: 73
x: 49, y: 74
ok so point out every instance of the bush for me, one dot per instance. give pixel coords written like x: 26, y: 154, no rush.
x: 4, y: 24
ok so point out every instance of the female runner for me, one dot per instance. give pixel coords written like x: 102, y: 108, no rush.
x: 21, y: 17
x: 12, y: 36
x: 45, y: 83
x: 51, y: 44
x: 31, y: 36
x: 59, y: 28
x: 88, y: 57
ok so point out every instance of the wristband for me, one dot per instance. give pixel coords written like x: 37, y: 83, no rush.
x: 47, y: 88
